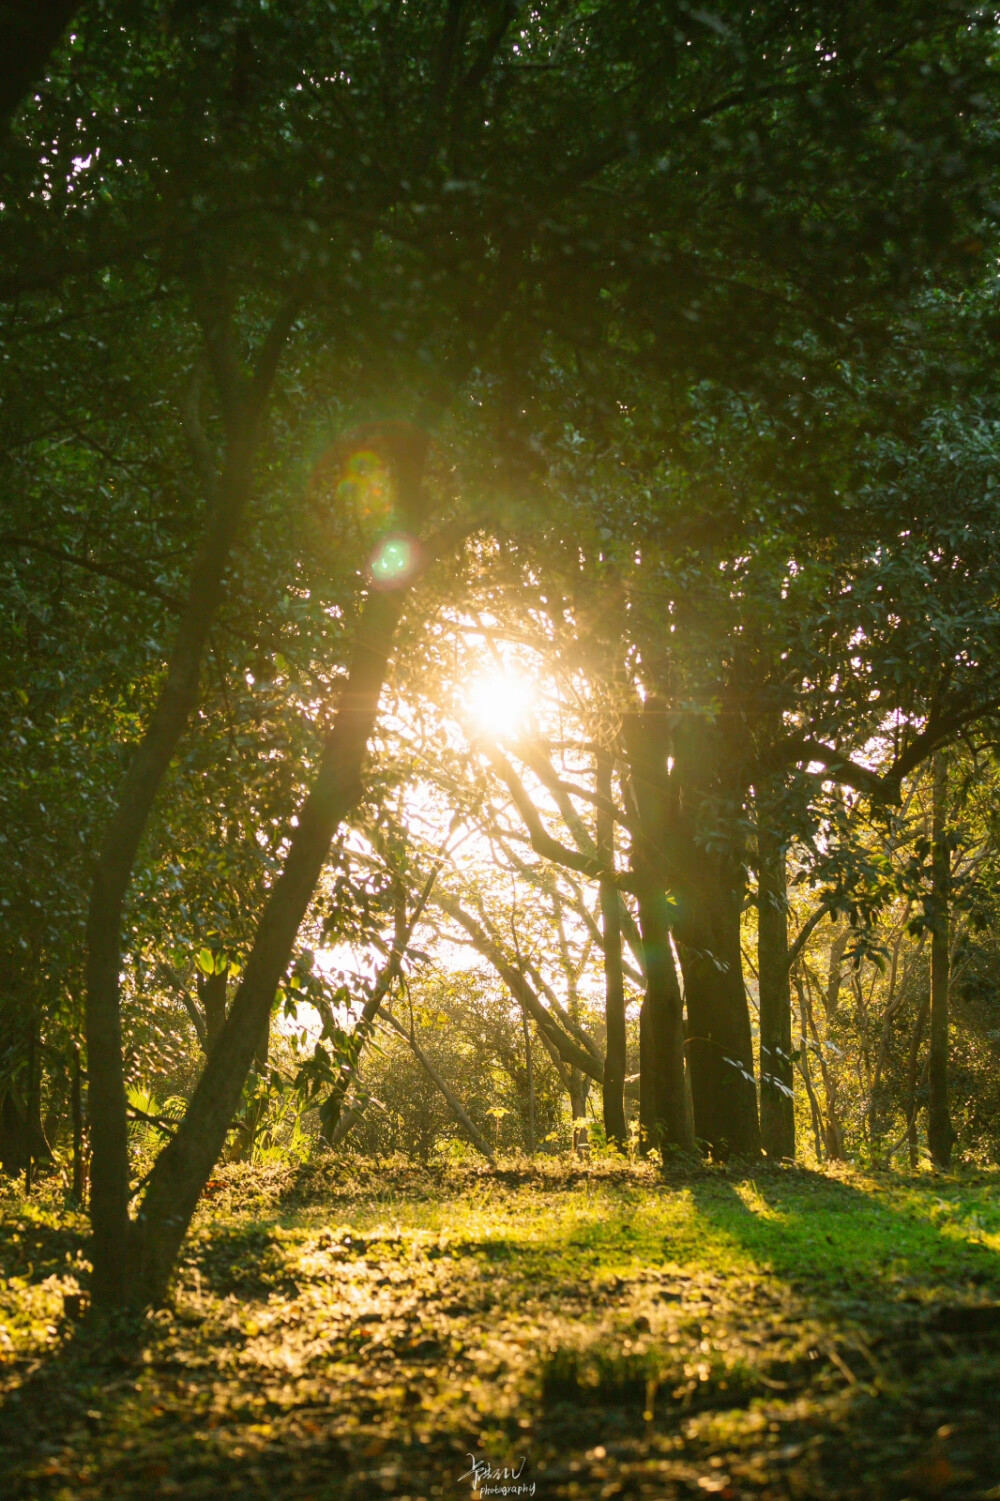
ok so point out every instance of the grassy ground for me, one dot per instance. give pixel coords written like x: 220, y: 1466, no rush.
x: 342, y: 1331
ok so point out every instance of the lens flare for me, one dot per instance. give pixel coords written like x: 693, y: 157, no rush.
x: 366, y: 487
x: 393, y: 561
x: 355, y: 481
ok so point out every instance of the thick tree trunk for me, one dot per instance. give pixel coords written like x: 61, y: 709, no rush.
x: 186, y: 1162
x: 615, y: 1128
x: 13, y: 1136
x: 19, y: 1137
x: 664, y: 1102
x: 777, y: 1102
x: 940, y: 1136
x: 720, y: 1042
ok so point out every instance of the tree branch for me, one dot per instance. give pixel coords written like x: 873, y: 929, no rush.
x: 569, y: 1051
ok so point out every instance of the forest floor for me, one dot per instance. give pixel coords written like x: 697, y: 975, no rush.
x: 348, y: 1330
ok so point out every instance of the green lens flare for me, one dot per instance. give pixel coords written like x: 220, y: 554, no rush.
x: 392, y: 561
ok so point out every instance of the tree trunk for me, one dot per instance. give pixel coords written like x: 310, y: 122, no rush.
x: 76, y: 1110
x: 664, y: 1102
x: 647, y: 1111
x: 615, y: 1128
x: 833, y: 1131
x: 940, y: 1136
x: 814, y: 1110
x: 912, y: 1081
x: 34, y: 1096
x: 404, y: 928
x: 185, y: 1163
x: 579, y: 1088
x: 113, y: 1241
x: 562, y: 1048
x: 212, y: 995
x: 109, y: 1194
x: 530, y: 1071
x: 720, y: 1042
x: 777, y: 1101
x: 13, y: 1136
x: 249, y: 1128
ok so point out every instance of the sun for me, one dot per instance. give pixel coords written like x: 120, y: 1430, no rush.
x: 501, y: 703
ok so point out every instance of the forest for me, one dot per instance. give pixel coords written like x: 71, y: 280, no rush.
x: 500, y: 753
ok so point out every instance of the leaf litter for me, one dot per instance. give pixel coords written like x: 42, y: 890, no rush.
x: 350, y: 1330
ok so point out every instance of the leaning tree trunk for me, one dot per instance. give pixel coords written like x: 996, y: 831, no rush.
x: 615, y: 1128
x: 109, y: 1170
x: 940, y: 1136
x: 449, y: 1096
x: 404, y: 927
x: 185, y: 1164
x: 720, y: 1042
x: 777, y: 1101
x: 109, y: 1191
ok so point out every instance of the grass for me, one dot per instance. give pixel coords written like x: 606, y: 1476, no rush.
x: 357, y: 1331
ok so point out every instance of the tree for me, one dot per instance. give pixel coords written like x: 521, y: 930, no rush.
x: 939, y: 1130
x: 359, y: 200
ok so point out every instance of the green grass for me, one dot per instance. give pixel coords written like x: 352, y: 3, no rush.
x: 354, y: 1331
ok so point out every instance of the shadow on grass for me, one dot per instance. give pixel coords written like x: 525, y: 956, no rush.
x: 134, y: 1410
x: 823, y: 1235
x: 104, y: 1416
x: 913, y: 1330
x: 248, y: 1260
x: 107, y: 1408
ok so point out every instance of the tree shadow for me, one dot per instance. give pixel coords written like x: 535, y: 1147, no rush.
x: 64, y: 1398
x: 799, y: 1224
x: 105, y: 1415
x: 159, y: 1406
x: 110, y: 1407
x: 903, y: 1308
